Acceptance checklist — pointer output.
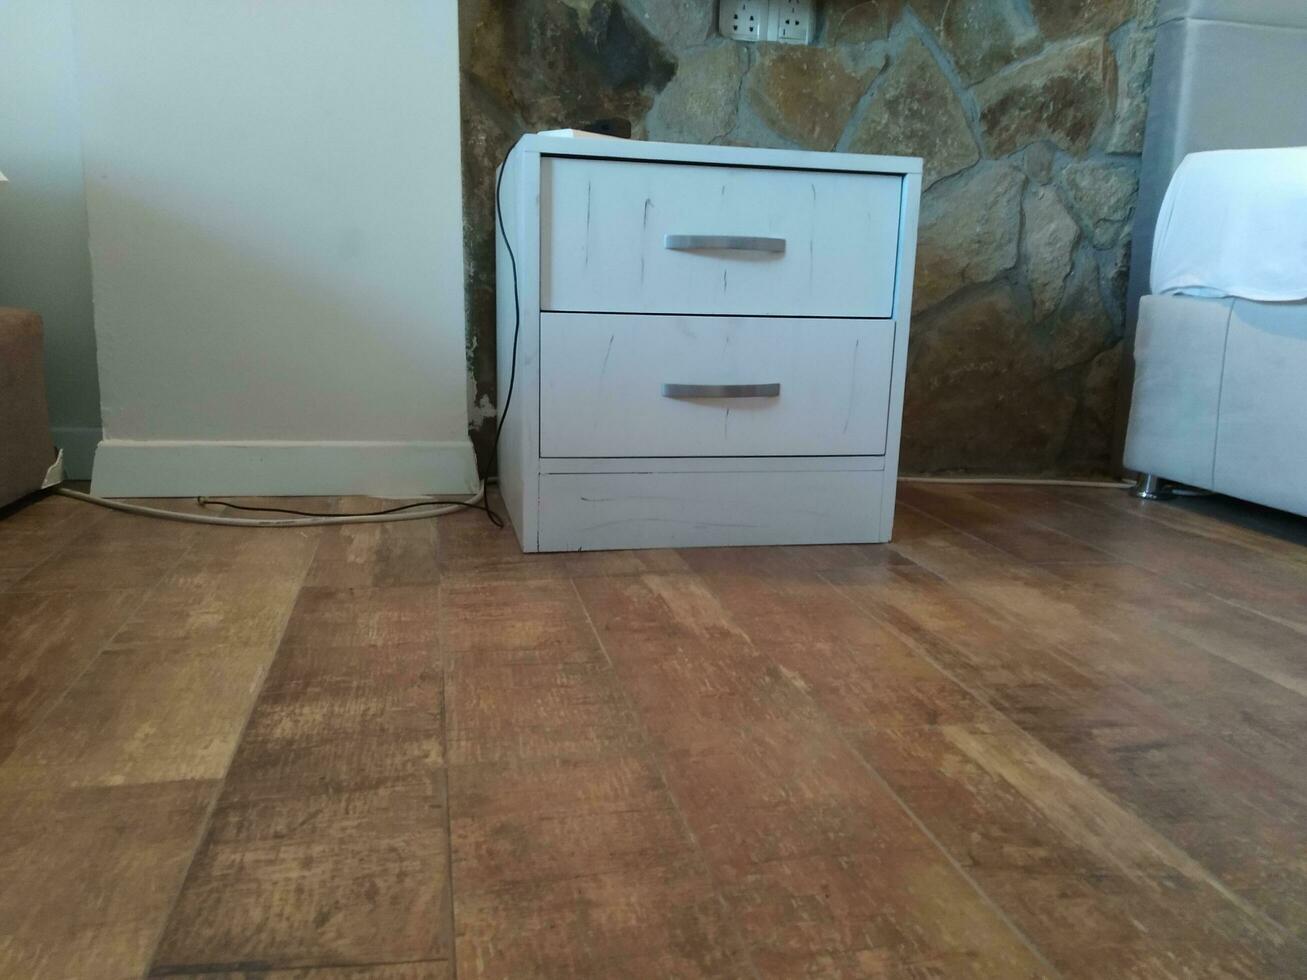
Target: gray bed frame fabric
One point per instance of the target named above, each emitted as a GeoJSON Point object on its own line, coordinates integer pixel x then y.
{"type": "Point", "coordinates": [1227, 74]}
{"type": "Point", "coordinates": [1221, 397]}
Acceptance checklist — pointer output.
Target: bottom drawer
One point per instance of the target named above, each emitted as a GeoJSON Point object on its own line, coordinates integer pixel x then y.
{"type": "Point", "coordinates": [608, 511]}
{"type": "Point", "coordinates": [640, 386]}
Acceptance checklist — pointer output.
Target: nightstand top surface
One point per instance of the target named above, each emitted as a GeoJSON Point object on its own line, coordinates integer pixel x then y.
{"type": "Point", "coordinates": [737, 156]}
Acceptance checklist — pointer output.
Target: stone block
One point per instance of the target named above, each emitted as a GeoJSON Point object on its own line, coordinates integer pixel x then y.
{"type": "Point", "coordinates": [701, 103]}
{"type": "Point", "coordinates": [1102, 197]}
{"type": "Point", "coordinates": [1061, 95]}
{"type": "Point", "coordinates": [1051, 235]}
{"type": "Point", "coordinates": [915, 112]}
{"type": "Point", "coordinates": [807, 94]}
{"type": "Point", "coordinates": [981, 35]}
{"type": "Point", "coordinates": [969, 232]}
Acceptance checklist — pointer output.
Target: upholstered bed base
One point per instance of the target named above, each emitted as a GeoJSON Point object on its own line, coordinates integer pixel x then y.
{"type": "Point", "coordinates": [1220, 397]}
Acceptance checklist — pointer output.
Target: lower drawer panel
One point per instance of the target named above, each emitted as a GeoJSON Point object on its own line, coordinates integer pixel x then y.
{"type": "Point", "coordinates": [648, 386]}
{"type": "Point", "coordinates": [608, 511]}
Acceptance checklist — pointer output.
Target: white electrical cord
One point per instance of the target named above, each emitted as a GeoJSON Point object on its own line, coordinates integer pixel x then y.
{"type": "Point", "coordinates": [1013, 481]}
{"type": "Point", "coordinates": [438, 509]}
{"type": "Point", "coordinates": [172, 515]}
{"type": "Point", "coordinates": [1005, 481]}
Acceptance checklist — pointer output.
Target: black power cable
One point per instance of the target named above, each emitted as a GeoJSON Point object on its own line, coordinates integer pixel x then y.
{"type": "Point", "coordinates": [210, 502]}
{"type": "Point", "coordinates": [517, 323]}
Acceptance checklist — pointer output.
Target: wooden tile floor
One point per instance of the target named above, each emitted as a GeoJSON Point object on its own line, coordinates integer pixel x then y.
{"type": "Point", "coordinates": [1054, 733]}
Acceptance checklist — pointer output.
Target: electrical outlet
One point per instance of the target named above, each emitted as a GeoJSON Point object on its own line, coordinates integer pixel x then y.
{"type": "Point", "coordinates": [743, 20]}
{"type": "Point", "coordinates": [787, 21]}
{"type": "Point", "coordinates": [790, 21]}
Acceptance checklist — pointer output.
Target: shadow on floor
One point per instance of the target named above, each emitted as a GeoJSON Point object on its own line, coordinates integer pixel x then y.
{"type": "Point", "coordinates": [1265, 520]}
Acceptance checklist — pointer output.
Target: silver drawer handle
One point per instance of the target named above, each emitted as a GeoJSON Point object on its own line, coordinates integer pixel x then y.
{"type": "Point", "coordinates": [722, 391]}
{"type": "Point", "coordinates": [727, 243]}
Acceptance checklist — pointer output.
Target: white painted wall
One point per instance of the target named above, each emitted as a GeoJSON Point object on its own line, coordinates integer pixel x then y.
{"type": "Point", "coordinates": [275, 223]}
{"type": "Point", "coordinates": [44, 263]}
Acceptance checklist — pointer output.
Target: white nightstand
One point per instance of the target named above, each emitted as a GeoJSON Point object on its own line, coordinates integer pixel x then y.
{"type": "Point", "coordinates": [712, 347]}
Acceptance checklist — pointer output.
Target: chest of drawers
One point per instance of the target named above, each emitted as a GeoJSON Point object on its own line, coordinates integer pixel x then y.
{"type": "Point", "coordinates": [711, 343]}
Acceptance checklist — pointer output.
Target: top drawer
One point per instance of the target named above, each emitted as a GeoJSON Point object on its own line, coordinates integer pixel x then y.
{"type": "Point", "coordinates": [633, 237]}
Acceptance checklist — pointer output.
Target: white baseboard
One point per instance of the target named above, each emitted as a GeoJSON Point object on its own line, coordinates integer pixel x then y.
{"type": "Point", "coordinates": [127, 468]}
{"type": "Point", "coordinates": [78, 445]}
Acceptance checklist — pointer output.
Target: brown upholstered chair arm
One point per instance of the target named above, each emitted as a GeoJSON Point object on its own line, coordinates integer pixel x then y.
{"type": "Point", "coordinates": [26, 448]}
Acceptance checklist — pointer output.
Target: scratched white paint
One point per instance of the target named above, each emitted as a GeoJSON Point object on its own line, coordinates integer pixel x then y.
{"type": "Point", "coordinates": [602, 376]}
{"type": "Point", "coordinates": [589, 378]}
{"type": "Point", "coordinates": [605, 222]}
{"type": "Point", "coordinates": [594, 512]}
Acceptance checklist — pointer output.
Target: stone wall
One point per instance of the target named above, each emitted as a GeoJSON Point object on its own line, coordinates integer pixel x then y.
{"type": "Point", "coordinates": [1029, 114]}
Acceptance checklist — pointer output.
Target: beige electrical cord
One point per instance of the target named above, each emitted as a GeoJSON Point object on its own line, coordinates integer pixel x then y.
{"type": "Point", "coordinates": [172, 515]}
{"type": "Point", "coordinates": [1013, 481]}
{"type": "Point", "coordinates": [1000, 481]}
{"type": "Point", "coordinates": [439, 508]}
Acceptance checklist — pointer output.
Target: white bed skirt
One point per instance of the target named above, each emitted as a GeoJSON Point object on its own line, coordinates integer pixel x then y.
{"type": "Point", "coordinates": [1234, 223]}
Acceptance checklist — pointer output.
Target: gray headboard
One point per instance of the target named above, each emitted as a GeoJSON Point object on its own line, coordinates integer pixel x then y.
{"type": "Point", "coordinates": [1228, 74]}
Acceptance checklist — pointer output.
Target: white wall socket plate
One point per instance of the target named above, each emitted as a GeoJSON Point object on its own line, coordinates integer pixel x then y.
{"type": "Point", "coordinates": [791, 21]}
{"type": "Point", "coordinates": [786, 21]}
{"type": "Point", "coordinates": [743, 20]}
